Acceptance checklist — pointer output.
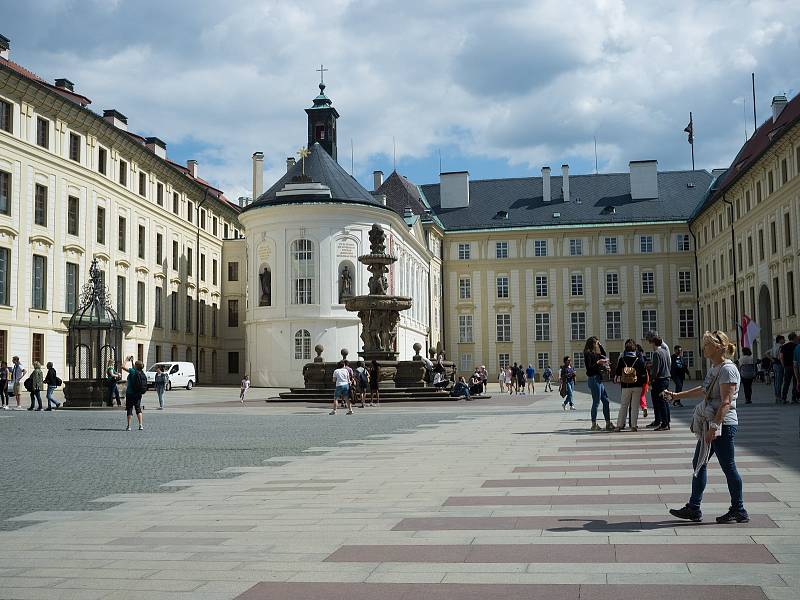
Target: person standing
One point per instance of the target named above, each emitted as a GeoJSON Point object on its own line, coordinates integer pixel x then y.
{"type": "Point", "coordinates": [484, 378]}
{"type": "Point", "coordinates": [362, 380]}
{"type": "Point", "coordinates": [374, 380]}
{"type": "Point", "coordinates": [510, 380]}
{"type": "Point", "coordinates": [678, 371]}
{"type": "Point", "coordinates": [747, 373]}
{"type": "Point", "coordinates": [659, 376]}
{"type": "Point", "coordinates": [52, 381]}
{"type": "Point", "coordinates": [631, 374]}
{"type": "Point", "coordinates": [715, 424]}
{"type": "Point", "coordinates": [4, 373]}
{"type": "Point", "coordinates": [135, 389]}
{"type": "Point", "coordinates": [796, 368]}
{"type": "Point", "coordinates": [501, 379]}
{"type": "Point", "coordinates": [243, 388]}
{"type": "Point", "coordinates": [17, 374]}
{"type": "Point", "coordinates": [160, 383]}
{"type": "Point", "coordinates": [112, 379]}
{"type": "Point", "coordinates": [646, 386]}
{"type": "Point", "coordinates": [548, 376]}
{"type": "Point", "coordinates": [777, 367]}
{"type": "Point", "coordinates": [566, 383]}
{"type": "Point", "coordinates": [514, 378]}
{"type": "Point", "coordinates": [787, 360]}
{"type": "Point", "coordinates": [594, 357]}
{"type": "Point", "coordinates": [520, 380]}
{"type": "Point", "coordinates": [37, 382]}
{"type": "Point", "coordinates": [341, 380]}
{"type": "Point", "coordinates": [530, 373]}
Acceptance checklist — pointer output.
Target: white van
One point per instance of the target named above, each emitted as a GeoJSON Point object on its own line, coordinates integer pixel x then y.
{"type": "Point", "coordinates": [181, 374]}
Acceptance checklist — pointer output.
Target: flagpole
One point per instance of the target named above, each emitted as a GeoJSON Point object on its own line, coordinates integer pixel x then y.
{"type": "Point", "coordinates": [691, 142]}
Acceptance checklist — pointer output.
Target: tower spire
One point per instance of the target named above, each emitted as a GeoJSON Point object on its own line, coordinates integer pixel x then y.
{"type": "Point", "coordinates": [322, 119]}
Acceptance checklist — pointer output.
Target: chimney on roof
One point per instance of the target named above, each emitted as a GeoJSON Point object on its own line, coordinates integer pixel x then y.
{"type": "Point", "coordinates": [156, 146]}
{"type": "Point", "coordinates": [5, 47]}
{"type": "Point", "coordinates": [116, 118]}
{"type": "Point", "coordinates": [192, 166]}
{"type": "Point", "coordinates": [454, 189]}
{"type": "Point", "coordinates": [382, 199]}
{"type": "Point", "coordinates": [258, 174]}
{"type": "Point", "coordinates": [644, 179]}
{"type": "Point", "coordinates": [545, 184]}
{"type": "Point", "coordinates": [289, 163]}
{"type": "Point", "coordinates": [244, 201]}
{"type": "Point", "coordinates": [65, 84]}
{"type": "Point", "coordinates": [565, 182]}
{"type": "Point", "coordinates": [377, 180]}
{"type": "Point", "coordinates": [778, 104]}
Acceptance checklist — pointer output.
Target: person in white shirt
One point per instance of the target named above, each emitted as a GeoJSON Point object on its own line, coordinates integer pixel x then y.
{"type": "Point", "coordinates": [17, 375]}
{"type": "Point", "coordinates": [341, 379]}
{"type": "Point", "coordinates": [244, 388]}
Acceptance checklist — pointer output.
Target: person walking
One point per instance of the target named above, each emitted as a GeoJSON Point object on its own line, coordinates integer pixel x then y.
{"type": "Point", "coordinates": [747, 373]}
{"type": "Point", "coordinates": [501, 379]}
{"type": "Point", "coordinates": [37, 382]}
{"type": "Point", "coordinates": [112, 379]}
{"type": "Point", "coordinates": [566, 383]}
{"type": "Point", "coordinates": [594, 356]}
{"type": "Point", "coordinates": [715, 424]}
{"type": "Point", "coordinates": [777, 367]}
{"type": "Point", "coordinates": [4, 373]}
{"type": "Point", "coordinates": [796, 368]}
{"type": "Point", "coordinates": [362, 381]}
{"type": "Point", "coordinates": [17, 374]}
{"type": "Point", "coordinates": [243, 388]}
{"type": "Point", "coordinates": [341, 380]}
{"type": "Point", "coordinates": [160, 383]}
{"type": "Point", "coordinates": [530, 374]}
{"type": "Point", "coordinates": [484, 378]}
{"type": "Point", "coordinates": [631, 374]}
{"type": "Point", "coordinates": [520, 380]}
{"type": "Point", "coordinates": [52, 381]}
{"type": "Point", "coordinates": [136, 387]}
{"type": "Point", "coordinates": [547, 375]}
{"type": "Point", "coordinates": [678, 371]}
{"type": "Point", "coordinates": [374, 380]}
{"type": "Point", "coordinates": [510, 380]}
{"type": "Point", "coordinates": [659, 377]}
{"type": "Point", "coordinates": [787, 361]}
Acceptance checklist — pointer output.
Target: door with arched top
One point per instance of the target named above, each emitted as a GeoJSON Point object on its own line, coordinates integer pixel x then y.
{"type": "Point", "coordinates": [764, 321]}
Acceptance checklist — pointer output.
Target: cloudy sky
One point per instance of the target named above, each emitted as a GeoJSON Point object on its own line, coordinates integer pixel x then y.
{"type": "Point", "coordinates": [497, 88]}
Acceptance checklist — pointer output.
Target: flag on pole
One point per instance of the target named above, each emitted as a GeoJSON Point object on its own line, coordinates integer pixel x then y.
{"type": "Point", "coordinates": [750, 331]}
{"type": "Point", "coordinates": [690, 130]}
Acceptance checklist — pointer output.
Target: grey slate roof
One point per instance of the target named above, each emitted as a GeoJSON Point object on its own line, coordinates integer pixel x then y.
{"type": "Point", "coordinates": [321, 168]}
{"type": "Point", "coordinates": [591, 199]}
{"type": "Point", "coordinates": [401, 194]}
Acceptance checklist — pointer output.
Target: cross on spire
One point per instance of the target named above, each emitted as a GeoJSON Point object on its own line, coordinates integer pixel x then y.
{"type": "Point", "coordinates": [321, 72]}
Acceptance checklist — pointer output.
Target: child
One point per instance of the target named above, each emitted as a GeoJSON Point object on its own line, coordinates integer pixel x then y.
{"type": "Point", "coordinates": [244, 388]}
{"type": "Point", "coordinates": [548, 376]}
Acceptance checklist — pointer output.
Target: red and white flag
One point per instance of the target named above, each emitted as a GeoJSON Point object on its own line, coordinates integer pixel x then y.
{"type": "Point", "coordinates": [750, 331]}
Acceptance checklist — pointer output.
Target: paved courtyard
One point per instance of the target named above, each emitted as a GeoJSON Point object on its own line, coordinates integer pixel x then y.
{"type": "Point", "coordinates": [501, 498]}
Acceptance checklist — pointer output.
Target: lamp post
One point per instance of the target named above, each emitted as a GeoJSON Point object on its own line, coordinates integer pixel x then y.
{"type": "Point", "coordinates": [197, 290]}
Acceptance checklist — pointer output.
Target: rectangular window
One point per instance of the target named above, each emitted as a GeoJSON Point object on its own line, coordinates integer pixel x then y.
{"type": "Point", "coordinates": [688, 358]}
{"type": "Point", "coordinates": [214, 320]}
{"type": "Point", "coordinates": [776, 298]}
{"type": "Point", "coordinates": [576, 284]}
{"type": "Point", "coordinates": [760, 244]}
{"type": "Point", "coordinates": [749, 251]}
{"type": "Point", "coordinates": [787, 230]}
{"type": "Point", "coordinates": [203, 222]}
{"type": "Point", "coordinates": [174, 255]}
{"type": "Point", "coordinates": [465, 329]}
{"type": "Point", "coordinates": [122, 297]}
{"type": "Point", "coordinates": [39, 296]}
{"type": "Point", "coordinates": [40, 205]}
{"type": "Point", "coordinates": [613, 325]}
{"type": "Point", "coordinates": [71, 292]}
{"type": "Point", "coordinates": [542, 323]}
{"type": "Point", "coordinates": [140, 302]}
{"type": "Point", "coordinates": [575, 247]}
{"type": "Point", "coordinates": [578, 361]}
{"type": "Point", "coordinates": [502, 287]}
{"type": "Point", "coordinates": [501, 249]}
{"type": "Point", "coordinates": [74, 147]}
{"type": "Point", "coordinates": [463, 251]}
{"type": "Point", "coordinates": [683, 242]}
{"type": "Point", "coordinates": [612, 284]}
{"type": "Point", "coordinates": [73, 214]}
{"type": "Point", "coordinates": [37, 348]}
{"type": "Point", "coordinates": [102, 160]}
{"type": "Point", "coordinates": [142, 183]}
{"type": "Point", "coordinates": [577, 322]}
{"type": "Point", "coordinates": [159, 299]}
{"type": "Point", "coordinates": [5, 193]}
{"type": "Point", "coordinates": [233, 363]}
{"type": "Point", "coordinates": [686, 323]}
{"type": "Point", "coordinates": [233, 271]}
{"type": "Point", "coordinates": [214, 271]}
{"type": "Point", "coordinates": [123, 173]}
{"type": "Point", "coordinates": [540, 247]}
{"type": "Point", "coordinates": [6, 120]}
{"type": "Point", "coordinates": [173, 310]}
{"type": "Point", "coordinates": [214, 226]}
{"type": "Point", "coordinates": [190, 211]}
{"type": "Point", "coordinates": [758, 192]}
{"type": "Point", "coordinates": [202, 267]}
{"type": "Point", "coordinates": [188, 313]}
{"type": "Point", "coordinates": [464, 288]}
{"type": "Point", "coordinates": [158, 353]}
{"type": "Point", "coordinates": [189, 262]}
{"type": "Point", "coordinates": [160, 194]}
{"type": "Point", "coordinates": [503, 360]}
{"type": "Point", "coordinates": [611, 245]}
{"type": "Point", "coordinates": [773, 237]}
{"type": "Point", "coordinates": [747, 200]}
{"type": "Point", "coordinates": [466, 361]}
{"type": "Point", "coordinates": [648, 282]}
{"type": "Point", "coordinates": [5, 273]}
{"type": "Point", "coordinates": [770, 182]}
{"type": "Point", "coordinates": [122, 234]}
{"type": "Point", "coordinates": [201, 318]}
{"type": "Point", "coordinates": [225, 232]}
{"type": "Point", "coordinates": [684, 282]}
{"type": "Point", "coordinates": [42, 132]}
{"type": "Point", "coordinates": [176, 203]}
{"type": "Point", "coordinates": [541, 286]}
{"type": "Point", "coordinates": [159, 249]}
{"type": "Point", "coordinates": [542, 360]}
{"type": "Point", "coordinates": [646, 244]}
{"type": "Point", "coordinates": [784, 171]}
{"type": "Point", "coordinates": [649, 321]}
{"type": "Point", "coordinates": [142, 241]}
{"type": "Point", "coordinates": [101, 225]}
{"type": "Point", "coordinates": [790, 293]}
{"type": "Point", "coordinates": [233, 313]}
{"type": "Point", "coordinates": [503, 322]}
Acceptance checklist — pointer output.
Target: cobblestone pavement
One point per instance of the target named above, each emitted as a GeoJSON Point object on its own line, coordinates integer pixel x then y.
{"type": "Point", "coordinates": [500, 501]}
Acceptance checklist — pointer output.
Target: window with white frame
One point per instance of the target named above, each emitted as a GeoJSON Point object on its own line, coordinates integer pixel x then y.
{"type": "Point", "coordinates": [612, 284]}
{"type": "Point", "coordinates": [613, 325]}
{"type": "Point", "coordinates": [611, 245]}
{"type": "Point", "coordinates": [576, 284]}
{"type": "Point", "coordinates": [540, 247]}
{"type": "Point", "coordinates": [683, 242]}
{"type": "Point", "coordinates": [575, 247]}
{"type": "Point", "coordinates": [542, 321]}
{"type": "Point", "coordinates": [646, 244]}
{"type": "Point", "coordinates": [465, 329]}
{"type": "Point", "coordinates": [501, 249]}
{"type": "Point", "coordinates": [578, 361]}
{"type": "Point", "coordinates": [649, 321]}
{"type": "Point", "coordinates": [503, 321]}
{"type": "Point", "coordinates": [688, 358]}
{"type": "Point", "coordinates": [302, 345]}
{"type": "Point", "coordinates": [503, 360]}
{"type": "Point", "coordinates": [577, 320]}
{"type": "Point", "coordinates": [684, 282]}
{"type": "Point", "coordinates": [464, 288]}
{"type": "Point", "coordinates": [463, 251]}
{"type": "Point", "coordinates": [542, 360]}
{"type": "Point", "coordinates": [686, 323]}
{"type": "Point", "coordinates": [466, 361]}
{"type": "Point", "coordinates": [502, 287]}
{"type": "Point", "coordinates": [541, 286]}
{"type": "Point", "coordinates": [648, 282]}
{"type": "Point", "coordinates": [303, 272]}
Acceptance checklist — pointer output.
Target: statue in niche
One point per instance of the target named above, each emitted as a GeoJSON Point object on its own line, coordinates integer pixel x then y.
{"type": "Point", "coordinates": [265, 279]}
{"type": "Point", "coordinates": [345, 285]}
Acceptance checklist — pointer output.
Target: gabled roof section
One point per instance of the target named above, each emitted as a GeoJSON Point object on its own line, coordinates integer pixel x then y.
{"type": "Point", "coordinates": [401, 194]}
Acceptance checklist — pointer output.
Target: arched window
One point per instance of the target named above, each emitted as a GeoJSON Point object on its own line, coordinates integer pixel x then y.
{"type": "Point", "coordinates": [302, 345]}
{"type": "Point", "coordinates": [302, 272]}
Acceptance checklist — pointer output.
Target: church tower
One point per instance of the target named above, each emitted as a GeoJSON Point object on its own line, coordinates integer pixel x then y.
{"type": "Point", "coordinates": [322, 122]}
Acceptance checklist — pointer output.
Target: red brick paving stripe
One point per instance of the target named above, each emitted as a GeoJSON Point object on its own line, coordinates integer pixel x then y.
{"type": "Point", "coordinates": [612, 481]}
{"type": "Point", "coordinates": [566, 523]}
{"type": "Point", "coordinates": [556, 553]}
{"type": "Point", "coordinates": [639, 467]}
{"type": "Point", "coordinates": [599, 499]}
{"type": "Point", "coordinates": [460, 591]}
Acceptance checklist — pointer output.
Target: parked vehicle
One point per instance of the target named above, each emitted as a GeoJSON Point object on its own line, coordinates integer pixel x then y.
{"type": "Point", "coordinates": [181, 374]}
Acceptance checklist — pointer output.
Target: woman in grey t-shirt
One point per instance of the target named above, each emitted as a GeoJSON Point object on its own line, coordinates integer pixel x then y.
{"type": "Point", "coordinates": [715, 423]}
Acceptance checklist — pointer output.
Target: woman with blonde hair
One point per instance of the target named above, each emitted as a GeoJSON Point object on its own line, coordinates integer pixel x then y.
{"type": "Point", "coordinates": [715, 423]}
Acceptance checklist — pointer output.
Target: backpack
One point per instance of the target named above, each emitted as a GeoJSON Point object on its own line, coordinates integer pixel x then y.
{"type": "Point", "coordinates": [139, 382]}
{"type": "Point", "coordinates": [58, 382]}
{"type": "Point", "coordinates": [363, 378]}
{"type": "Point", "coordinates": [28, 383]}
{"type": "Point", "coordinates": [629, 375]}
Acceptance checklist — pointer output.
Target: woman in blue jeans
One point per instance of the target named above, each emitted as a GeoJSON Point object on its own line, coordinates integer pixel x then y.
{"type": "Point", "coordinates": [715, 424]}
{"type": "Point", "coordinates": [594, 356]}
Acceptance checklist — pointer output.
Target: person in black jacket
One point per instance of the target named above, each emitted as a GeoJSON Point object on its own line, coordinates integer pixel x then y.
{"type": "Point", "coordinates": [678, 372]}
{"type": "Point", "coordinates": [52, 381]}
{"type": "Point", "coordinates": [594, 356]}
{"type": "Point", "coordinates": [631, 374]}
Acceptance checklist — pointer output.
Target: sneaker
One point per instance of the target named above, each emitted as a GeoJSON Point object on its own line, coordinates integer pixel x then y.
{"type": "Point", "coordinates": [618, 429]}
{"type": "Point", "coordinates": [572, 407]}
{"type": "Point", "coordinates": [48, 409]}
{"type": "Point", "coordinates": [141, 428]}
{"type": "Point", "coordinates": [662, 428]}
{"type": "Point", "coordinates": [128, 428]}
{"type": "Point", "coordinates": [333, 412]}
{"type": "Point", "coordinates": [349, 412]}
{"type": "Point", "coordinates": [5, 407]}
{"type": "Point", "coordinates": [688, 513]}
{"type": "Point", "coordinates": [644, 413]}
{"type": "Point", "coordinates": [31, 408]}
{"type": "Point", "coordinates": [609, 426]}
{"type": "Point", "coordinates": [564, 407]}
{"type": "Point", "coordinates": [653, 425]}
{"type": "Point", "coordinates": [739, 516]}
{"type": "Point", "coordinates": [58, 404]}
{"type": "Point", "coordinates": [634, 429]}
{"type": "Point", "coordinates": [595, 427]}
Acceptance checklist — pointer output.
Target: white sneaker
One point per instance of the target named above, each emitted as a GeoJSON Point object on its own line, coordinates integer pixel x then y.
{"type": "Point", "coordinates": [128, 428]}
{"type": "Point", "coordinates": [141, 428]}
{"type": "Point", "coordinates": [5, 407]}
